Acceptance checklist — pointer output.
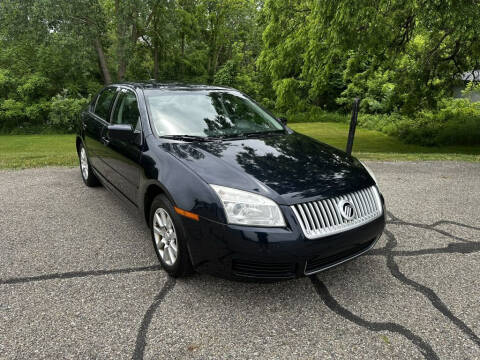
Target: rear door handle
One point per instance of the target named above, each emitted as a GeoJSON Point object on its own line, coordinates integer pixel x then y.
{"type": "Point", "coordinates": [84, 126]}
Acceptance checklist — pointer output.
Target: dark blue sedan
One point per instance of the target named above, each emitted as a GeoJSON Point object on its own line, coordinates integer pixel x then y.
{"type": "Point", "coordinates": [226, 187]}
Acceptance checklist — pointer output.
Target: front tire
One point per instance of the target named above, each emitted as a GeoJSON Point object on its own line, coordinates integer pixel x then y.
{"type": "Point", "coordinates": [88, 176]}
{"type": "Point", "coordinates": [169, 238]}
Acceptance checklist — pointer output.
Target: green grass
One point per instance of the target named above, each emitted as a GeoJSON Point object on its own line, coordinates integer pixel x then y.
{"type": "Point", "coordinates": [27, 151]}
{"type": "Point", "coordinates": [374, 145]}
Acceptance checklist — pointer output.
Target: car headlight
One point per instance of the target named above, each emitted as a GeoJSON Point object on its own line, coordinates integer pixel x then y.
{"type": "Point", "coordinates": [246, 208]}
{"type": "Point", "coordinates": [370, 172]}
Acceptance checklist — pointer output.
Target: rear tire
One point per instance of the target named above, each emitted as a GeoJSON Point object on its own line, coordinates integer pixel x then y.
{"type": "Point", "coordinates": [169, 239]}
{"type": "Point", "coordinates": [88, 176]}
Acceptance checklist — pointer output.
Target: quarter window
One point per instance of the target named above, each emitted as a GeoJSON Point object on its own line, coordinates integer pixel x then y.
{"type": "Point", "coordinates": [126, 110]}
{"type": "Point", "coordinates": [104, 102]}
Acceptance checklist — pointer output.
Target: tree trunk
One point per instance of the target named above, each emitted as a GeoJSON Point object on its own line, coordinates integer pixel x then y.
{"type": "Point", "coordinates": [183, 45]}
{"type": "Point", "coordinates": [123, 58]}
{"type": "Point", "coordinates": [155, 61]}
{"type": "Point", "coordinates": [215, 62]}
{"type": "Point", "coordinates": [122, 65]}
{"type": "Point", "coordinates": [182, 64]}
{"type": "Point", "coordinates": [122, 68]}
{"type": "Point", "coordinates": [107, 79]}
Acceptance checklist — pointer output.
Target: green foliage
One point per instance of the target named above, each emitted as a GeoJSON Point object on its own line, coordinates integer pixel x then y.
{"type": "Point", "coordinates": [315, 114]}
{"type": "Point", "coordinates": [226, 75]}
{"type": "Point", "coordinates": [377, 92]}
{"type": "Point", "coordinates": [64, 112]}
{"type": "Point", "coordinates": [37, 112]}
{"type": "Point", "coordinates": [33, 86]}
{"type": "Point", "coordinates": [7, 83]}
{"type": "Point", "coordinates": [456, 122]}
{"type": "Point", "coordinates": [399, 56]}
{"type": "Point", "coordinates": [305, 59]}
{"type": "Point", "coordinates": [288, 92]}
{"type": "Point", "coordinates": [11, 114]}
{"type": "Point", "coordinates": [75, 47]}
{"type": "Point", "coordinates": [28, 107]}
{"type": "Point", "coordinates": [371, 144]}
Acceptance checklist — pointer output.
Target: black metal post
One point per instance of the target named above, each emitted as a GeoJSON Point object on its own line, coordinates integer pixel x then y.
{"type": "Point", "coordinates": [353, 126]}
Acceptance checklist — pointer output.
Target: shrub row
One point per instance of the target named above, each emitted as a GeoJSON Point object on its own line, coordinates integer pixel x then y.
{"type": "Point", "coordinates": [316, 114]}
{"type": "Point", "coordinates": [455, 122]}
{"type": "Point", "coordinates": [58, 114]}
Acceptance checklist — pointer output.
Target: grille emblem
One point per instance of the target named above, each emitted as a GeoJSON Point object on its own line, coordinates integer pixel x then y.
{"type": "Point", "coordinates": [346, 209]}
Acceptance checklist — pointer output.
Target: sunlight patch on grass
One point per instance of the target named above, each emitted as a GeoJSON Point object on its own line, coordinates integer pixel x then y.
{"type": "Point", "coordinates": [28, 151]}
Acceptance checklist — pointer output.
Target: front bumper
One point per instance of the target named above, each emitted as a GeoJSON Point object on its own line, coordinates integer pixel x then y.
{"type": "Point", "coordinates": [241, 252]}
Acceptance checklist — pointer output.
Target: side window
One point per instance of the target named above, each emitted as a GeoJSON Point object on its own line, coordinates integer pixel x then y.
{"type": "Point", "coordinates": [126, 110]}
{"type": "Point", "coordinates": [103, 103]}
{"type": "Point", "coordinates": [91, 106]}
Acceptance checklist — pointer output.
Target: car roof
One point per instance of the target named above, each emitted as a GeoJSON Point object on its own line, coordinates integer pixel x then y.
{"type": "Point", "coordinates": [172, 86]}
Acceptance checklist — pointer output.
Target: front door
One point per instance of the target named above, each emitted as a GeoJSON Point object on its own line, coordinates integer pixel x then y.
{"type": "Point", "coordinates": [123, 157]}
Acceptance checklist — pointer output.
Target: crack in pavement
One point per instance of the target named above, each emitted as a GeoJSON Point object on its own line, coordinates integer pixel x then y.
{"type": "Point", "coordinates": [76, 274]}
{"type": "Point", "coordinates": [452, 248]}
{"type": "Point", "coordinates": [141, 341]}
{"type": "Point", "coordinates": [333, 305]}
{"type": "Point", "coordinates": [388, 251]}
{"type": "Point", "coordinates": [397, 221]}
{"type": "Point", "coordinates": [426, 291]}
{"type": "Point", "coordinates": [465, 247]}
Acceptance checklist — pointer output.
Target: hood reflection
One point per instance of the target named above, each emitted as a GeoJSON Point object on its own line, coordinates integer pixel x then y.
{"type": "Point", "coordinates": [294, 166]}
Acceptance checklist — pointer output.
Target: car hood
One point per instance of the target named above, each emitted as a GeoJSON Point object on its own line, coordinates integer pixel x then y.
{"type": "Point", "coordinates": [289, 168]}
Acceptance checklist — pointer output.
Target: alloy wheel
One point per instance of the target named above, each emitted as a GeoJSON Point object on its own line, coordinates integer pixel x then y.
{"type": "Point", "coordinates": [165, 236]}
{"type": "Point", "coordinates": [84, 163]}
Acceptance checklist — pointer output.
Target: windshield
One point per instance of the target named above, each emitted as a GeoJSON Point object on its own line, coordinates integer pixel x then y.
{"type": "Point", "coordinates": [207, 114]}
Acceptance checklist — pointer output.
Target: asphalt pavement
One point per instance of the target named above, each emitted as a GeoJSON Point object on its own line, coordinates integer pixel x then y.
{"type": "Point", "coordinates": [79, 279]}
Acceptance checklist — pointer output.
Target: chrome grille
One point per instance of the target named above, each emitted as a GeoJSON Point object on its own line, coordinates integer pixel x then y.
{"type": "Point", "coordinates": [324, 218]}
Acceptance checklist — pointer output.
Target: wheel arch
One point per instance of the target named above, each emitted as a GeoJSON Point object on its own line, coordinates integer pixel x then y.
{"type": "Point", "coordinates": [78, 142]}
{"type": "Point", "coordinates": [151, 191]}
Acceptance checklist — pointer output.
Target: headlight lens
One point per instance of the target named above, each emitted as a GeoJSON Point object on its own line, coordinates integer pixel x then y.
{"type": "Point", "coordinates": [246, 208]}
{"type": "Point", "coordinates": [370, 172]}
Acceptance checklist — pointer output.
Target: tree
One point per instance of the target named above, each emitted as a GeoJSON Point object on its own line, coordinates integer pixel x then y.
{"type": "Point", "coordinates": [56, 53]}
{"type": "Point", "coordinates": [414, 50]}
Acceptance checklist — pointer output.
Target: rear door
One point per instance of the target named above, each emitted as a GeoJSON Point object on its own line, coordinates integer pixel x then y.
{"type": "Point", "coordinates": [122, 156]}
{"type": "Point", "coordinates": [95, 125]}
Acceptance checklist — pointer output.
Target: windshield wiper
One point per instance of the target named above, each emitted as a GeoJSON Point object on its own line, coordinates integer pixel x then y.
{"type": "Point", "coordinates": [187, 138]}
{"type": "Point", "coordinates": [248, 135]}
{"type": "Point", "coordinates": [262, 133]}
{"type": "Point", "coordinates": [221, 137]}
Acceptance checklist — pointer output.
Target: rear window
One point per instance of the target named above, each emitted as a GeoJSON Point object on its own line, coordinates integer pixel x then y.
{"type": "Point", "coordinates": [103, 103]}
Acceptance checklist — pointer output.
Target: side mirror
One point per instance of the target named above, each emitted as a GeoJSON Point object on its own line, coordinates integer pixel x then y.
{"type": "Point", "coordinates": [121, 132]}
{"type": "Point", "coordinates": [283, 120]}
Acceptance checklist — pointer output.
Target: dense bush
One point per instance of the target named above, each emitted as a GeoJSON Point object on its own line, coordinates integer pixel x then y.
{"type": "Point", "coordinates": [456, 122]}
{"type": "Point", "coordinates": [12, 114]}
{"type": "Point", "coordinates": [64, 112]}
{"type": "Point", "coordinates": [315, 114]}
{"type": "Point", "coordinates": [58, 114]}
{"type": "Point", "coordinates": [31, 104]}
